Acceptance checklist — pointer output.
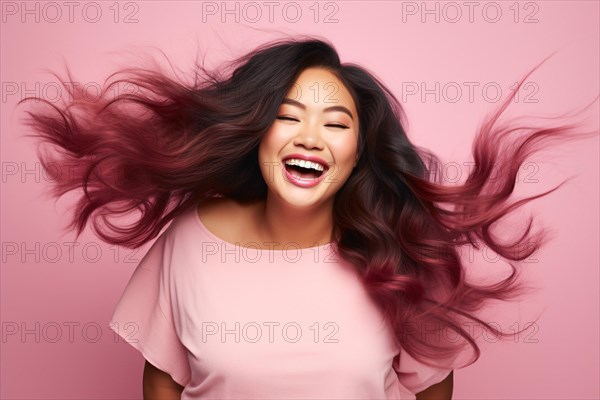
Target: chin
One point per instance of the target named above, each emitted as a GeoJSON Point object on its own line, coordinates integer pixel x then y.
{"type": "Point", "coordinates": [302, 201]}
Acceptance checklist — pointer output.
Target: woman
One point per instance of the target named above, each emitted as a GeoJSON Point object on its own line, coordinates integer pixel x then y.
{"type": "Point", "coordinates": [310, 252]}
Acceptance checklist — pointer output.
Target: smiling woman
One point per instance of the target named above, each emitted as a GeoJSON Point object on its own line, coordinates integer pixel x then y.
{"type": "Point", "coordinates": [309, 204]}
{"type": "Point", "coordinates": [308, 132]}
{"type": "Point", "coordinates": [308, 168]}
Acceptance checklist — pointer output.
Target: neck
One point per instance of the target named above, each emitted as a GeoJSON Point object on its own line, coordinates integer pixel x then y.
{"type": "Point", "coordinates": [297, 227]}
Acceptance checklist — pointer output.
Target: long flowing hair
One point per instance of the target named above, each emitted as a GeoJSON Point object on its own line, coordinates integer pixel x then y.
{"type": "Point", "coordinates": [167, 145]}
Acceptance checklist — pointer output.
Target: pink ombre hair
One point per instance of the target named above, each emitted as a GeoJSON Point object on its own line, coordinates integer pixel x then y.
{"type": "Point", "coordinates": [168, 145]}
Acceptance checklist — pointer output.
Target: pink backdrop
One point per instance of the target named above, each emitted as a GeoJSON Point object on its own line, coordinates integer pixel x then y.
{"type": "Point", "coordinates": [58, 296]}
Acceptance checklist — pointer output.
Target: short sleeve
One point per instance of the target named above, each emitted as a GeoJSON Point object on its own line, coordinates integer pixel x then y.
{"type": "Point", "coordinates": [415, 375]}
{"type": "Point", "coordinates": [143, 315]}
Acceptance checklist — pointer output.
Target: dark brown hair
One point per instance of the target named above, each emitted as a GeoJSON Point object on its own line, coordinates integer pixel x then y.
{"type": "Point", "coordinates": [174, 144]}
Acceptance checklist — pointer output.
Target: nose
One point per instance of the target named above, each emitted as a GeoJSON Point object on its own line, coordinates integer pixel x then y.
{"type": "Point", "coordinates": [309, 137]}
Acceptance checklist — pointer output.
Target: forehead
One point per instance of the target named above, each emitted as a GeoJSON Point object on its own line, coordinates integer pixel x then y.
{"type": "Point", "coordinates": [319, 86]}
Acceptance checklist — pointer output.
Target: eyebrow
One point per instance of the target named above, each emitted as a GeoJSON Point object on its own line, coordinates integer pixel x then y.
{"type": "Point", "coordinates": [332, 108]}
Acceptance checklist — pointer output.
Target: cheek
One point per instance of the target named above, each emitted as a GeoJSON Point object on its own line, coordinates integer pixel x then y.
{"type": "Point", "coordinates": [271, 143]}
{"type": "Point", "coordinates": [345, 151]}
{"type": "Point", "coordinates": [265, 147]}
{"type": "Point", "coordinates": [268, 153]}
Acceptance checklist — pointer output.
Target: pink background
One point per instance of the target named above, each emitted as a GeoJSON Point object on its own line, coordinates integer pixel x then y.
{"type": "Point", "coordinates": [44, 284]}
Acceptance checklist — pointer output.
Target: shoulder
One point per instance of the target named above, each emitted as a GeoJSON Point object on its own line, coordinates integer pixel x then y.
{"type": "Point", "coordinates": [228, 219]}
{"type": "Point", "coordinates": [217, 210]}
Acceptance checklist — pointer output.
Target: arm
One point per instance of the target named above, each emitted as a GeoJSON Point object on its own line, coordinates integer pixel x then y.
{"type": "Point", "coordinates": [159, 385]}
{"type": "Point", "coordinates": [439, 391]}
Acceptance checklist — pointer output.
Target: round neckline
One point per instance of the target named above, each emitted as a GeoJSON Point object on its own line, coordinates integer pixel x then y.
{"type": "Point", "coordinates": [325, 247]}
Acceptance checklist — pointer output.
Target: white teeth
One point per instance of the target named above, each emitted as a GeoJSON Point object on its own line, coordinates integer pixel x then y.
{"type": "Point", "coordinates": [304, 164]}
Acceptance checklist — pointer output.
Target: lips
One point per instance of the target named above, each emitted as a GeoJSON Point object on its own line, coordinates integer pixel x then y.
{"type": "Point", "coordinates": [303, 170]}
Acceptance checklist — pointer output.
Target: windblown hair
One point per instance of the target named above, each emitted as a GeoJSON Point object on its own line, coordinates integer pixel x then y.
{"type": "Point", "coordinates": [168, 145]}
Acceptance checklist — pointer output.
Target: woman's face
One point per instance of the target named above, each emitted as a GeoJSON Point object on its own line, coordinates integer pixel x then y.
{"type": "Point", "coordinates": [311, 148]}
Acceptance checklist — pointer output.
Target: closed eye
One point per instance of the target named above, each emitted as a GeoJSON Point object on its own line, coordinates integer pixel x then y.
{"type": "Point", "coordinates": [283, 117]}
{"type": "Point", "coordinates": [287, 118]}
{"type": "Point", "coordinates": [338, 126]}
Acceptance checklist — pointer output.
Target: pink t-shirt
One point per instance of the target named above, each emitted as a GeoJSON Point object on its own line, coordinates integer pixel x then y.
{"type": "Point", "coordinates": [234, 322]}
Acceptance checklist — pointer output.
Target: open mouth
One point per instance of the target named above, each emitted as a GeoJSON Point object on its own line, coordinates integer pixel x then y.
{"type": "Point", "coordinates": [304, 169]}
